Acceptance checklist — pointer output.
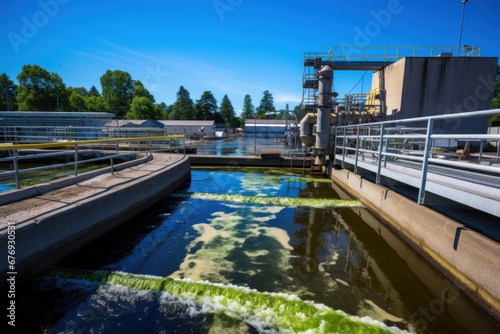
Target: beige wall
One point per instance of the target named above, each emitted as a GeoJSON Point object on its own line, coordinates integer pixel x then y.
{"type": "Point", "coordinates": [428, 86]}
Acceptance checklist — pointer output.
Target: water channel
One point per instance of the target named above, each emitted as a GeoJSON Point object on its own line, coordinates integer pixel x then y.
{"type": "Point", "coordinates": [240, 229]}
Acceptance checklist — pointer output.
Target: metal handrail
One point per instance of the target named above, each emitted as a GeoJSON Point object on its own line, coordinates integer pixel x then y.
{"type": "Point", "coordinates": [14, 156]}
{"type": "Point", "coordinates": [384, 142]}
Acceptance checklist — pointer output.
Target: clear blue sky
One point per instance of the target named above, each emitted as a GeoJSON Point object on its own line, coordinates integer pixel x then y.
{"type": "Point", "coordinates": [232, 47]}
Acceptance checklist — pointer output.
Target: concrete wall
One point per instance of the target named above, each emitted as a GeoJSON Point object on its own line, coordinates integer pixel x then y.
{"type": "Point", "coordinates": [467, 258]}
{"type": "Point", "coordinates": [48, 238]}
{"type": "Point", "coordinates": [393, 78]}
{"type": "Point", "coordinates": [438, 86]}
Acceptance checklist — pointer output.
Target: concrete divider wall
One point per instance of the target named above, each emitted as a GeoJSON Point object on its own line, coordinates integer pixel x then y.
{"type": "Point", "coordinates": [55, 235]}
{"type": "Point", "coordinates": [466, 257]}
{"type": "Point", "coordinates": [28, 192]}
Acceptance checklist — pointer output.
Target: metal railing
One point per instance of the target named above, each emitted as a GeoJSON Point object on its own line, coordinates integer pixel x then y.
{"type": "Point", "coordinates": [44, 134]}
{"type": "Point", "coordinates": [393, 53]}
{"type": "Point", "coordinates": [382, 54]}
{"type": "Point", "coordinates": [110, 149]}
{"type": "Point", "coordinates": [391, 141]}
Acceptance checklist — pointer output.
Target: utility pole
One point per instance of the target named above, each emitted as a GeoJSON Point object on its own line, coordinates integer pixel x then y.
{"type": "Point", "coordinates": [461, 26]}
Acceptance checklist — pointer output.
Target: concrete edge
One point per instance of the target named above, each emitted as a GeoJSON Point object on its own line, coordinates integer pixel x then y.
{"type": "Point", "coordinates": [32, 191]}
{"type": "Point", "coordinates": [60, 233]}
{"type": "Point", "coordinates": [467, 258]}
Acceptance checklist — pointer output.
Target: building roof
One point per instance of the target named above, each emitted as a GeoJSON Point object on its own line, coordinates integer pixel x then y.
{"type": "Point", "coordinates": [266, 122]}
{"type": "Point", "coordinates": [55, 114]}
{"type": "Point", "coordinates": [208, 123]}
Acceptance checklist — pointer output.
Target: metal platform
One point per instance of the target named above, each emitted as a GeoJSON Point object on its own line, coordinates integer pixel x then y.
{"type": "Point", "coordinates": [476, 190]}
{"type": "Point", "coordinates": [387, 149]}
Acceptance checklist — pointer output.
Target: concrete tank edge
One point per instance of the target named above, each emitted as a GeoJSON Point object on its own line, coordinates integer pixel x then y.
{"type": "Point", "coordinates": [94, 223]}
{"type": "Point", "coordinates": [476, 278]}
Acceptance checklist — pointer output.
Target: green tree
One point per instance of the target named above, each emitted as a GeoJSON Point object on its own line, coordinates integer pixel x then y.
{"type": "Point", "coordinates": [96, 104]}
{"type": "Point", "coordinates": [80, 90]}
{"type": "Point", "coordinates": [248, 108]}
{"type": "Point", "coordinates": [117, 91]}
{"type": "Point", "coordinates": [183, 106]}
{"type": "Point", "coordinates": [142, 108]}
{"type": "Point", "coordinates": [141, 91]}
{"type": "Point", "coordinates": [40, 90]}
{"type": "Point", "coordinates": [206, 106]}
{"type": "Point", "coordinates": [227, 111]}
{"type": "Point", "coordinates": [77, 102]}
{"type": "Point", "coordinates": [266, 104]}
{"type": "Point", "coordinates": [162, 110]}
{"type": "Point", "coordinates": [94, 92]}
{"type": "Point", "coordinates": [8, 93]}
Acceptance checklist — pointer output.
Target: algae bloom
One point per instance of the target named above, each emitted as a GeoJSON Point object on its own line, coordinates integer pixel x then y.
{"type": "Point", "coordinates": [280, 201]}
{"type": "Point", "coordinates": [284, 312]}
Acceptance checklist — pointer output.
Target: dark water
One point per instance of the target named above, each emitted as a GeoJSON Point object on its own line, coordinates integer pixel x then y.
{"type": "Point", "coordinates": [341, 257]}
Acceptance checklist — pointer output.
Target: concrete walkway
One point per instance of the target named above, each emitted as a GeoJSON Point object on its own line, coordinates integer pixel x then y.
{"type": "Point", "coordinates": [51, 225]}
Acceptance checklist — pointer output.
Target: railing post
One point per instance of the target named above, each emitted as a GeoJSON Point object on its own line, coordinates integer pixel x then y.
{"type": "Point", "coordinates": [112, 166]}
{"type": "Point", "coordinates": [357, 150]}
{"type": "Point", "coordinates": [16, 169]}
{"type": "Point", "coordinates": [425, 163]}
{"type": "Point", "coordinates": [76, 160]}
{"type": "Point", "coordinates": [480, 151]}
{"type": "Point", "coordinates": [380, 146]}
{"type": "Point", "coordinates": [343, 145]}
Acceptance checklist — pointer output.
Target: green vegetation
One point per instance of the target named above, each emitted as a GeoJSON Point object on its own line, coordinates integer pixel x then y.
{"type": "Point", "coordinates": [280, 201]}
{"type": "Point", "coordinates": [287, 313]}
{"type": "Point", "coordinates": [40, 90]}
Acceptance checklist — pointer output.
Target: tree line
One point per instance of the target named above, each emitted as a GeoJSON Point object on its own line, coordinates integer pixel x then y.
{"type": "Point", "coordinates": [40, 90]}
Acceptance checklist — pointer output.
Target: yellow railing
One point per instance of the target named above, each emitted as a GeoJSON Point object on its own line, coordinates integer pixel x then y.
{"type": "Point", "coordinates": [16, 147]}
{"type": "Point", "coordinates": [14, 157]}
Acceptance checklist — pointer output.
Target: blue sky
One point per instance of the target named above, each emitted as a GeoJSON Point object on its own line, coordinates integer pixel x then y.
{"type": "Point", "coordinates": [232, 47]}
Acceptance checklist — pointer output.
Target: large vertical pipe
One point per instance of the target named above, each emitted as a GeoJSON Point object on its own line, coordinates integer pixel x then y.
{"type": "Point", "coordinates": [325, 82]}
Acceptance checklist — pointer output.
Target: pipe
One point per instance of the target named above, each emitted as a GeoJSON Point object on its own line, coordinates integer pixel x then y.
{"type": "Point", "coordinates": [307, 127]}
{"type": "Point", "coordinates": [325, 83]}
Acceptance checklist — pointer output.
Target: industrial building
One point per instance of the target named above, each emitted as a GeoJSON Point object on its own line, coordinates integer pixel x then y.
{"type": "Point", "coordinates": [266, 128]}
{"type": "Point", "coordinates": [190, 128]}
{"type": "Point", "coordinates": [407, 82]}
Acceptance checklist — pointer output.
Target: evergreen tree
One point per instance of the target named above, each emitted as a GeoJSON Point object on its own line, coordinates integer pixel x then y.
{"type": "Point", "coordinates": [206, 106]}
{"type": "Point", "coordinates": [8, 93]}
{"type": "Point", "coordinates": [266, 104]}
{"type": "Point", "coordinates": [248, 108]}
{"type": "Point", "coordinates": [94, 92]}
{"type": "Point", "coordinates": [183, 106]}
{"type": "Point", "coordinates": [227, 111]}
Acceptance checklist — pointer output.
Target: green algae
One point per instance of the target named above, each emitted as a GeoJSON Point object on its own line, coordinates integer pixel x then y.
{"type": "Point", "coordinates": [279, 201]}
{"type": "Point", "coordinates": [287, 313]}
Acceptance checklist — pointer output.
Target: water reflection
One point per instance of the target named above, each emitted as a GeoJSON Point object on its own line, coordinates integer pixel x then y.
{"type": "Point", "coordinates": [238, 146]}
{"type": "Point", "coordinates": [343, 258]}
